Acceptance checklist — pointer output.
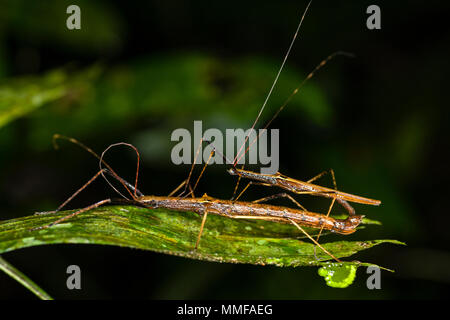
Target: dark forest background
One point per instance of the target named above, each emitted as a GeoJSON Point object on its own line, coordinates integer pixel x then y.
{"type": "Point", "coordinates": [137, 70]}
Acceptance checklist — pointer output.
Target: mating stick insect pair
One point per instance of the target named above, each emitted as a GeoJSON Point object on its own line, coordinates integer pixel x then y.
{"type": "Point", "coordinates": [234, 208]}
{"type": "Point", "coordinates": [205, 205]}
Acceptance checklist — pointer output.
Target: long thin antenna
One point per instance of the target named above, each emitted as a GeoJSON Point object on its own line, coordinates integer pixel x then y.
{"type": "Point", "coordinates": [101, 161]}
{"type": "Point", "coordinates": [100, 158]}
{"type": "Point", "coordinates": [296, 90]}
{"type": "Point", "coordinates": [274, 82]}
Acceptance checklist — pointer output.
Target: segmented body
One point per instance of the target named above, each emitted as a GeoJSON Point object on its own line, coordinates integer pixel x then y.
{"type": "Point", "coordinates": [297, 186]}
{"type": "Point", "coordinates": [241, 209]}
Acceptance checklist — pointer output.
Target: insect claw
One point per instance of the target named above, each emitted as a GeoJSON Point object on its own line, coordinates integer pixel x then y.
{"type": "Point", "coordinates": [315, 254]}
{"type": "Point", "coordinates": [37, 228]}
{"type": "Point", "coordinates": [42, 213]}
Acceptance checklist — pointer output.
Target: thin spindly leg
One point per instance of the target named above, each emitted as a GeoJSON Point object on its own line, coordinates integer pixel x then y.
{"type": "Point", "coordinates": [93, 206]}
{"type": "Point", "coordinates": [314, 241]}
{"type": "Point", "coordinates": [191, 191]}
{"type": "Point", "coordinates": [177, 188]}
{"type": "Point", "coordinates": [192, 169]}
{"type": "Point", "coordinates": [296, 225]}
{"type": "Point", "coordinates": [328, 213]}
{"type": "Point", "coordinates": [201, 174]}
{"type": "Point", "coordinates": [248, 185]}
{"type": "Point", "coordinates": [237, 185]}
{"type": "Point", "coordinates": [73, 195]}
{"type": "Point", "coordinates": [344, 203]}
{"type": "Point", "coordinates": [205, 214]}
{"type": "Point", "coordinates": [280, 195]}
{"type": "Point", "coordinates": [332, 201]}
{"type": "Point", "coordinates": [331, 171]}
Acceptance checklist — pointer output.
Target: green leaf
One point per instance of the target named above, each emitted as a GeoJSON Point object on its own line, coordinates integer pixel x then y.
{"type": "Point", "coordinates": [338, 275]}
{"type": "Point", "coordinates": [170, 232]}
{"type": "Point", "coordinates": [23, 95]}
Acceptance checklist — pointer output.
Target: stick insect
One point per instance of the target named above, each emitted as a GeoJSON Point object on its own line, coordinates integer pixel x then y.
{"type": "Point", "coordinates": [285, 182]}
{"type": "Point", "coordinates": [205, 205]}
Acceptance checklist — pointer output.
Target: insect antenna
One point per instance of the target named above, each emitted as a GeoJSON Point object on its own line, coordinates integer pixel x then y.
{"type": "Point", "coordinates": [275, 80]}
{"type": "Point", "coordinates": [295, 91]}
{"type": "Point", "coordinates": [109, 169]}
{"type": "Point", "coordinates": [124, 183]}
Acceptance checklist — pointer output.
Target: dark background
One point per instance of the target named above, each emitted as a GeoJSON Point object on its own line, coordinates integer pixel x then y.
{"type": "Point", "coordinates": [137, 70]}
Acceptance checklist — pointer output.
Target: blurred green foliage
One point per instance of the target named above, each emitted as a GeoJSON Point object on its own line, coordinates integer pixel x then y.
{"type": "Point", "coordinates": [41, 23]}
{"type": "Point", "coordinates": [82, 103]}
{"type": "Point", "coordinates": [19, 97]}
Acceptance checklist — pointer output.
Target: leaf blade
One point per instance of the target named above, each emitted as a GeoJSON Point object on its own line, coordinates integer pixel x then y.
{"type": "Point", "coordinates": [170, 232]}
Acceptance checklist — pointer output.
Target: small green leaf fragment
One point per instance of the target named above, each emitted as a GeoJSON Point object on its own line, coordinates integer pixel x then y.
{"type": "Point", "coordinates": [338, 275]}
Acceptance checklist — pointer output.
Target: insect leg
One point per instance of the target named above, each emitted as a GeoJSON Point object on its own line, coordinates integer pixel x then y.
{"type": "Point", "coordinates": [177, 188]}
{"type": "Point", "coordinates": [73, 195]}
{"type": "Point", "coordinates": [205, 214]}
{"type": "Point", "coordinates": [237, 186]}
{"type": "Point", "coordinates": [93, 206]}
{"type": "Point", "coordinates": [296, 225]}
{"type": "Point", "coordinates": [320, 175]}
{"type": "Point", "coordinates": [248, 185]}
{"type": "Point", "coordinates": [334, 198]}
{"type": "Point", "coordinates": [314, 241]}
{"type": "Point", "coordinates": [192, 168]}
{"type": "Point", "coordinates": [191, 192]}
{"type": "Point", "coordinates": [344, 203]}
{"type": "Point", "coordinates": [280, 195]}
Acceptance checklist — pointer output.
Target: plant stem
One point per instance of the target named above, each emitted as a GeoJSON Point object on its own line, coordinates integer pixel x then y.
{"type": "Point", "coordinates": [23, 279]}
